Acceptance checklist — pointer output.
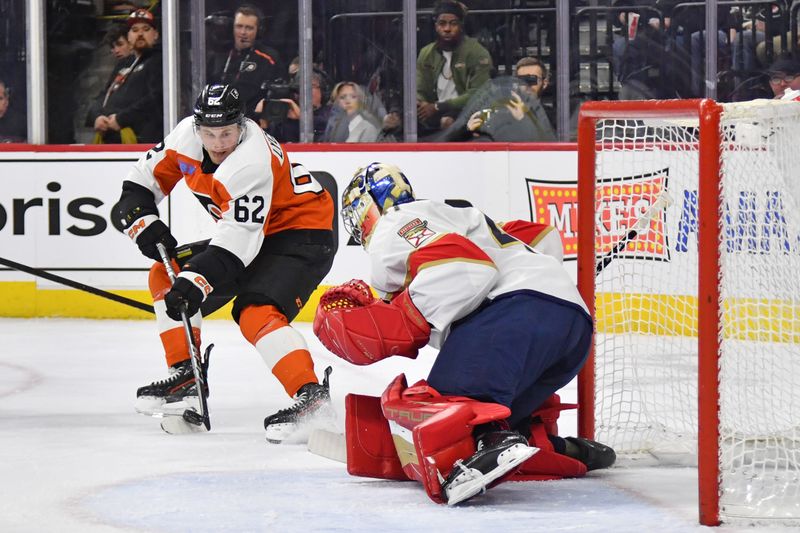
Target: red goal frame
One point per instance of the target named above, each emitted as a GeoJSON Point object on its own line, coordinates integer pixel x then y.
{"type": "Point", "coordinates": [708, 112]}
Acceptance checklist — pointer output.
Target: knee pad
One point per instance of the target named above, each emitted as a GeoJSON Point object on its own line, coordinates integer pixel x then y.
{"type": "Point", "coordinates": [255, 321]}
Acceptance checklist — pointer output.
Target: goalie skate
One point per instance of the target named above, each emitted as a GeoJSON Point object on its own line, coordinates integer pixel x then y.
{"type": "Point", "coordinates": [499, 453]}
{"type": "Point", "coordinates": [311, 410]}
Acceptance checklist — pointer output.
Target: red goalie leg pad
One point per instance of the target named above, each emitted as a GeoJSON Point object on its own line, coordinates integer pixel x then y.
{"type": "Point", "coordinates": [370, 449]}
{"type": "Point", "coordinates": [431, 432]}
{"type": "Point", "coordinates": [548, 464]}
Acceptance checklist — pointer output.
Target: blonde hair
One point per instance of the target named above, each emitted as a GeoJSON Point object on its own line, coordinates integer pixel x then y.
{"type": "Point", "coordinates": [360, 98]}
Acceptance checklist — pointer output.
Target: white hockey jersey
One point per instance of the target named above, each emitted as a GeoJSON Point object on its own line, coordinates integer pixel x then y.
{"type": "Point", "coordinates": [452, 259]}
{"type": "Point", "coordinates": [253, 193]}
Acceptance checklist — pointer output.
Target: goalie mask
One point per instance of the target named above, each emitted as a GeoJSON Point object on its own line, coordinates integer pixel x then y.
{"type": "Point", "coordinates": [373, 190]}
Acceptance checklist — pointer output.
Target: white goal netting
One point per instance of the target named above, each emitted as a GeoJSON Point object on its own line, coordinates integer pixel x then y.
{"type": "Point", "coordinates": [646, 353]}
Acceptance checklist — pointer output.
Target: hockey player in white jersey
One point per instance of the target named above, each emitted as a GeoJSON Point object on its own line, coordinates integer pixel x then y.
{"type": "Point", "coordinates": [510, 326]}
{"type": "Point", "coordinates": [272, 245]}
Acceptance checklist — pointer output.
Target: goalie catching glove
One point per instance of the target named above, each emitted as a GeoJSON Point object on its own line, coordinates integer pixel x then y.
{"type": "Point", "coordinates": [356, 326]}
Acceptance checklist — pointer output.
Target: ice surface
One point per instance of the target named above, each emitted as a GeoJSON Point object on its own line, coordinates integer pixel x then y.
{"type": "Point", "coordinates": [77, 458]}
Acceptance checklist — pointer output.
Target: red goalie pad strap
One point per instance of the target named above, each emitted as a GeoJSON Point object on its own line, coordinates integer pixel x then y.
{"type": "Point", "coordinates": [370, 448]}
{"type": "Point", "coordinates": [548, 464]}
{"type": "Point", "coordinates": [431, 432]}
{"type": "Point", "coordinates": [364, 335]}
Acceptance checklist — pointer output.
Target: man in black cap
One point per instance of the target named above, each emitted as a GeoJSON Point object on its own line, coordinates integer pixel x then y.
{"type": "Point", "coordinates": [784, 78]}
{"type": "Point", "coordinates": [450, 69]}
{"type": "Point", "coordinates": [130, 109]}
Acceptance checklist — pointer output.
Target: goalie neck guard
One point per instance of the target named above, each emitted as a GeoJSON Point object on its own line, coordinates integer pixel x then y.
{"type": "Point", "coordinates": [373, 190]}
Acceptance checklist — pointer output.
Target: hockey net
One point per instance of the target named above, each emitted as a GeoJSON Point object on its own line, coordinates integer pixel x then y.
{"type": "Point", "coordinates": [696, 356]}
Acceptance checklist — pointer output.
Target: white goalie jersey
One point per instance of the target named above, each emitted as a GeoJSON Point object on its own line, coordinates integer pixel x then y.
{"type": "Point", "coordinates": [453, 259]}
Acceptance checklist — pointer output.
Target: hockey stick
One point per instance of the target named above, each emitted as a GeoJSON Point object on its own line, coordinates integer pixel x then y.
{"type": "Point", "coordinates": [189, 415]}
{"type": "Point", "coordinates": [640, 227]}
{"type": "Point", "coordinates": [76, 285]}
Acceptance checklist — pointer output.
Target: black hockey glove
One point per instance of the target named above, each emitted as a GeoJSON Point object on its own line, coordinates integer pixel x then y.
{"type": "Point", "coordinates": [190, 288]}
{"type": "Point", "coordinates": [149, 230]}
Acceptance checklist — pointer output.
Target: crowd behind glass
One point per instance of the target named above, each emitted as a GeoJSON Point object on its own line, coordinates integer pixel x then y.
{"type": "Point", "coordinates": [485, 69]}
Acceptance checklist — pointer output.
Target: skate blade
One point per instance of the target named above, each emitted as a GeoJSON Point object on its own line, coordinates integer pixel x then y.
{"type": "Point", "coordinates": [157, 408]}
{"type": "Point", "coordinates": [328, 444]}
{"type": "Point", "coordinates": [300, 432]}
{"type": "Point", "coordinates": [278, 433]}
{"type": "Point", "coordinates": [177, 425]}
{"type": "Point", "coordinates": [148, 405]}
{"type": "Point", "coordinates": [511, 458]}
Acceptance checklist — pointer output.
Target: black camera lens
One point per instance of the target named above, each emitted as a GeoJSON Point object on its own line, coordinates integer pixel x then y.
{"type": "Point", "coordinates": [531, 79]}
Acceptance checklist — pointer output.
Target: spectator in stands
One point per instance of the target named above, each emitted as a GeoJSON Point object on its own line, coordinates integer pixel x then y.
{"type": "Point", "coordinates": [251, 67]}
{"type": "Point", "coordinates": [287, 129]}
{"type": "Point", "coordinates": [685, 46]}
{"type": "Point", "coordinates": [754, 23]}
{"type": "Point", "coordinates": [449, 70]}
{"type": "Point", "coordinates": [349, 121]}
{"type": "Point", "coordinates": [637, 51]}
{"type": "Point", "coordinates": [117, 40]}
{"type": "Point", "coordinates": [509, 110]}
{"type": "Point", "coordinates": [130, 108]}
{"type": "Point", "coordinates": [13, 127]}
{"type": "Point", "coordinates": [784, 77]}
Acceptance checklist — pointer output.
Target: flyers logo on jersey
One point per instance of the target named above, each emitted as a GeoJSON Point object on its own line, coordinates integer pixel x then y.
{"type": "Point", "coordinates": [416, 232]}
{"type": "Point", "coordinates": [620, 202]}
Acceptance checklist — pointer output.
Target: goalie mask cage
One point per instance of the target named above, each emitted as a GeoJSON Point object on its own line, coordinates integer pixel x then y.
{"type": "Point", "coordinates": [696, 357]}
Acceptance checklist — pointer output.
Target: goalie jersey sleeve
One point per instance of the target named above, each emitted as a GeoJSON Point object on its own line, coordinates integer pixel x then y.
{"type": "Point", "coordinates": [253, 193]}
{"type": "Point", "coordinates": [452, 260]}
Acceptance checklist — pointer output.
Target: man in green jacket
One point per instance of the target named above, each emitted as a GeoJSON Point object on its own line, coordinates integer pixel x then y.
{"type": "Point", "coordinates": [450, 69]}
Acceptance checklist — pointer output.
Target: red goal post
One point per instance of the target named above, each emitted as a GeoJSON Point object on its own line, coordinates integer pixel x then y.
{"type": "Point", "coordinates": [680, 315]}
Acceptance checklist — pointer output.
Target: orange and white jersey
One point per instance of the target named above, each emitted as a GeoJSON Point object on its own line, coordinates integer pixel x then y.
{"type": "Point", "coordinates": [253, 193]}
{"type": "Point", "coordinates": [453, 259]}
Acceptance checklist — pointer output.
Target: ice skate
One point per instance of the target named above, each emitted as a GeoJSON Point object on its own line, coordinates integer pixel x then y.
{"type": "Point", "coordinates": [311, 410]}
{"type": "Point", "coordinates": [170, 396]}
{"type": "Point", "coordinates": [499, 452]}
{"type": "Point", "coordinates": [593, 454]}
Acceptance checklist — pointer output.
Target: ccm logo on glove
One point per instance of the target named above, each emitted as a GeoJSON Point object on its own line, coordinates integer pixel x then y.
{"type": "Point", "coordinates": [202, 284]}
{"type": "Point", "coordinates": [139, 225]}
{"type": "Point", "coordinates": [190, 289]}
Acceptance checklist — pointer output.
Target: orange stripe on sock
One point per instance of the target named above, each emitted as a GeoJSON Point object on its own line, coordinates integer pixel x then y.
{"type": "Point", "coordinates": [294, 370]}
{"type": "Point", "coordinates": [258, 320]}
{"type": "Point", "coordinates": [175, 348]}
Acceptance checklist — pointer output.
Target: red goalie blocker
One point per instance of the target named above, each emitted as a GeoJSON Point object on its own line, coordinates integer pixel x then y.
{"type": "Point", "coordinates": [354, 325]}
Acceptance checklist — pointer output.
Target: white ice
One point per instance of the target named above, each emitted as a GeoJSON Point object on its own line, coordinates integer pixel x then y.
{"type": "Point", "coordinates": [77, 458]}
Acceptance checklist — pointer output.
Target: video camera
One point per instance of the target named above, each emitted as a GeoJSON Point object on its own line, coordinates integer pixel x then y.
{"type": "Point", "coordinates": [275, 111]}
